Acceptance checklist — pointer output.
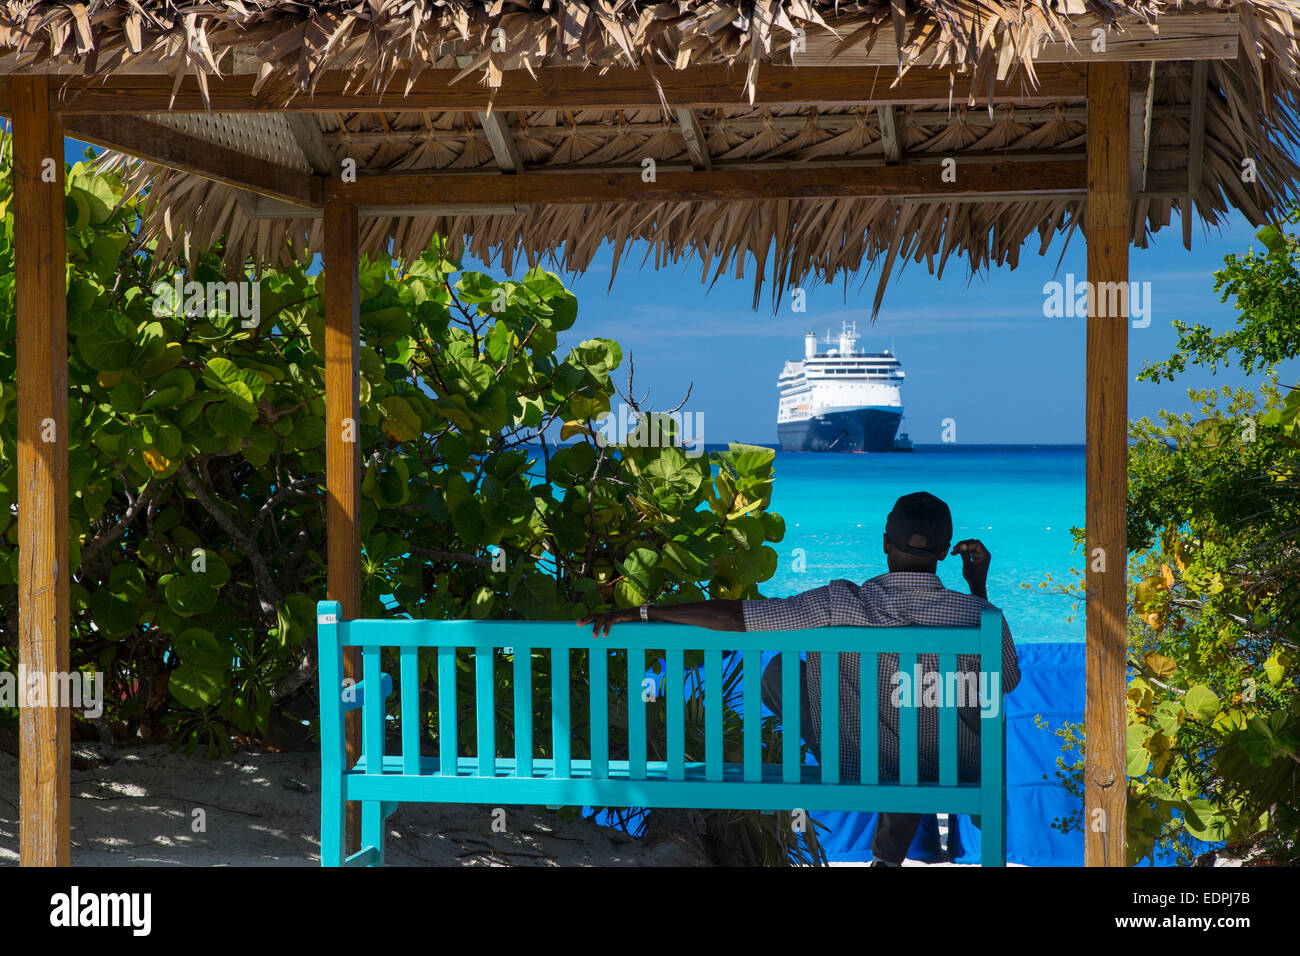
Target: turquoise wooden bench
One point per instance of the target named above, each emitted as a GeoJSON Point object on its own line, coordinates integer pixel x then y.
{"type": "Point", "coordinates": [381, 781]}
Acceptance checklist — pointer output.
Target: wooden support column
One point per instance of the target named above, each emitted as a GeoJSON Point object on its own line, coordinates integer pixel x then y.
{"type": "Point", "coordinates": [1108, 228]}
{"type": "Point", "coordinates": [40, 255]}
{"type": "Point", "coordinates": [343, 449]}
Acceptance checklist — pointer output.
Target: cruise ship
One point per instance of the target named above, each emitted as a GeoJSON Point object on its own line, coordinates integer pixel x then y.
{"type": "Point", "coordinates": [840, 400]}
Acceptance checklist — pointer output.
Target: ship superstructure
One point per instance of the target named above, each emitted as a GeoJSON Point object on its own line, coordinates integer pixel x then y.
{"type": "Point", "coordinates": [839, 399]}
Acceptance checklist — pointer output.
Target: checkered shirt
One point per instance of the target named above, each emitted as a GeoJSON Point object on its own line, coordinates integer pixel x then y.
{"type": "Point", "coordinates": [897, 599]}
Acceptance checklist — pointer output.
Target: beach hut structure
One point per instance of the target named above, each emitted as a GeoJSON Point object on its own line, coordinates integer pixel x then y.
{"type": "Point", "coordinates": [798, 139]}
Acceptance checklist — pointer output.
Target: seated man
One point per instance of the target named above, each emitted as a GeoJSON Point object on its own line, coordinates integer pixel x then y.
{"type": "Point", "coordinates": [917, 534]}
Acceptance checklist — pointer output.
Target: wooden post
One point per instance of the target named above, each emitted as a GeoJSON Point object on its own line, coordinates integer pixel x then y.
{"type": "Point", "coordinates": [40, 255]}
{"type": "Point", "coordinates": [1108, 229]}
{"type": "Point", "coordinates": [343, 449]}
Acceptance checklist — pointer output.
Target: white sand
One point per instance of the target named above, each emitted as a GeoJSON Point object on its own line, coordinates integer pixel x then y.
{"type": "Point", "coordinates": [263, 809]}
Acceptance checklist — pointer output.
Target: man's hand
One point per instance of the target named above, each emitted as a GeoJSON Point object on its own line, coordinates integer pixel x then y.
{"type": "Point", "coordinates": [608, 619]}
{"type": "Point", "coordinates": [975, 560]}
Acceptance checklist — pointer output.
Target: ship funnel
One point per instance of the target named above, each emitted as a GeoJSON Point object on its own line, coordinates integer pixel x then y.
{"type": "Point", "coordinates": [810, 345]}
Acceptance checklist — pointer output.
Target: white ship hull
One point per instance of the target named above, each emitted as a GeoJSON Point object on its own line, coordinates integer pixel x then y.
{"type": "Point", "coordinates": [840, 400]}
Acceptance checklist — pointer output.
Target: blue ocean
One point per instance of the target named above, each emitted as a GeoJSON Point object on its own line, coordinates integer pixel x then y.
{"type": "Point", "coordinates": [1020, 500]}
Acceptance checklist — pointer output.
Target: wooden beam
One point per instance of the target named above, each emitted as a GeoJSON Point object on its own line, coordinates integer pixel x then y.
{"type": "Point", "coordinates": [971, 178]}
{"type": "Point", "coordinates": [176, 150]}
{"type": "Point", "coordinates": [706, 86]}
{"type": "Point", "coordinates": [893, 149]}
{"type": "Point", "coordinates": [697, 146]}
{"type": "Point", "coordinates": [45, 730]}
{"type": "Point", "coordinates": [341, 259]}
{"type": "Point", "coordinates": [1108, 230]}
{"type": "Point", "coordinates": [1180, 36]}
{"type": "Point", "coordinates": [502, 141]}
{"type": "Point", "coordinates": [307, 133]}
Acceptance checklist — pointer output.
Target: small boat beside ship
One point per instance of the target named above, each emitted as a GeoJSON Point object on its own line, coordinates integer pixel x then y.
{"type": "Point", "coordinates": [840, 399]}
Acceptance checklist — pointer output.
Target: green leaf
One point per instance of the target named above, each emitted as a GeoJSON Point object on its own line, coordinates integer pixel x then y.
{"type": "Point", "coordinates": [534, 595]}
{"type": "Point", "coordinates": [1139, 758]}
{"type": "Point", "coordinates": [201, 678]}
{"type": "Point", "coordinates": [401, 423]}
{"type": "Point", "coordinates": [1202, 702]}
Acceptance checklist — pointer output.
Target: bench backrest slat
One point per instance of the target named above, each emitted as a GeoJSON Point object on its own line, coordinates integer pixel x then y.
{"type": "Point", "coordinates": [523, 681]}
{"type": "Point", "coordinates": [713, 708]}
{"type": "Point", "coordinates": [830, 718]}
{"type": "Point", "coordinates": [560, 739]}
{"type": "Point", "coordinates": [636, 743]}
{"type": "Point", "coordinates": [907, 767]}
{"type": "Point", "coordinates": [598, 669]}
{"type": "Point", "coordinates": [948, 721]}
{"type": "Point", "coordinates": [448, 745]}
{"type": "Point", "coordinates": [400, 632]}
{"type": "Point", "coordinates": [869, 714]}
{"type": "Point", "coordinates": [675, 692]}
{"type": "Point", "coordinates": [372, 717]}
{"type": "Point", "coordinates": [412, 710]}
{"type": "Point", "coordinates": [790, 717]}
{"type": "Point", "coordinates": [753, 715]}
{"type": "Point", "coordinates": [485, 710]}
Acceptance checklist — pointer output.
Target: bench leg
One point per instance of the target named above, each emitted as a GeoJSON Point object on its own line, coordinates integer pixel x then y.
{"type": "Point", "coordinates": [993, 831]}
{"type": "Point", "coordinates": [372, 827]}
{"type": "Point", "coordinates": [331, 820]}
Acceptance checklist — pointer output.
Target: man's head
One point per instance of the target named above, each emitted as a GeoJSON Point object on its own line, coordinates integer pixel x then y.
{"type": "Point", "coordinates": [917, 533]}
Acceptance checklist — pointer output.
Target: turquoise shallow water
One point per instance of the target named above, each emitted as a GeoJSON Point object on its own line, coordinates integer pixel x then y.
{"type": "Point", "coordinates": [1020, 500]}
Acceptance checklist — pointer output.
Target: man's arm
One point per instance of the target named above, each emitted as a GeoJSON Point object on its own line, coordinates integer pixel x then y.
{"type": "Point", "coordinates": [722, 615]}
{"type": "Point", "coordinates": [975, 560]}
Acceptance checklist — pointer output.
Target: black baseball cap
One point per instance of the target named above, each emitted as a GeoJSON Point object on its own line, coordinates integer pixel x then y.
{"type": "Point", "coordinates": [920, 524]}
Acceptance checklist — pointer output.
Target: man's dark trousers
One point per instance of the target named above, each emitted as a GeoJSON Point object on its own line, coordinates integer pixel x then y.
{"type": "Point", "coordinates": [894, 831]}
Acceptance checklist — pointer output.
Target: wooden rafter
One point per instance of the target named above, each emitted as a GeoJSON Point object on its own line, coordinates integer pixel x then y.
{"type": "Point", "coordinates": [176, 150]}
{"type": "Point", "coordinates": [306, 132]}
{"type": "Point", "coordinates": [502, 141]}
{"type": "Point", "coordinates": [688, 123]}
{"type": "Point", "coordinates": [889, 134]}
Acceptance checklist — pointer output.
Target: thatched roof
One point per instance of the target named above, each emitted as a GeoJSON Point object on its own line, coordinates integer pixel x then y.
{"type": "Point", "coordinates": [1251, 113]}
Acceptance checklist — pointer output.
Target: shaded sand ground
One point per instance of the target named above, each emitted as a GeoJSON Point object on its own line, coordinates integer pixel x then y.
{"type": "Point", "coordinates": [263, 809]}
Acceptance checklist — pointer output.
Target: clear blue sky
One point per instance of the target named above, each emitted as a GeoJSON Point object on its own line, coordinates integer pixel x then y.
{"type": "Point", "coordinates": [980, 352]}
